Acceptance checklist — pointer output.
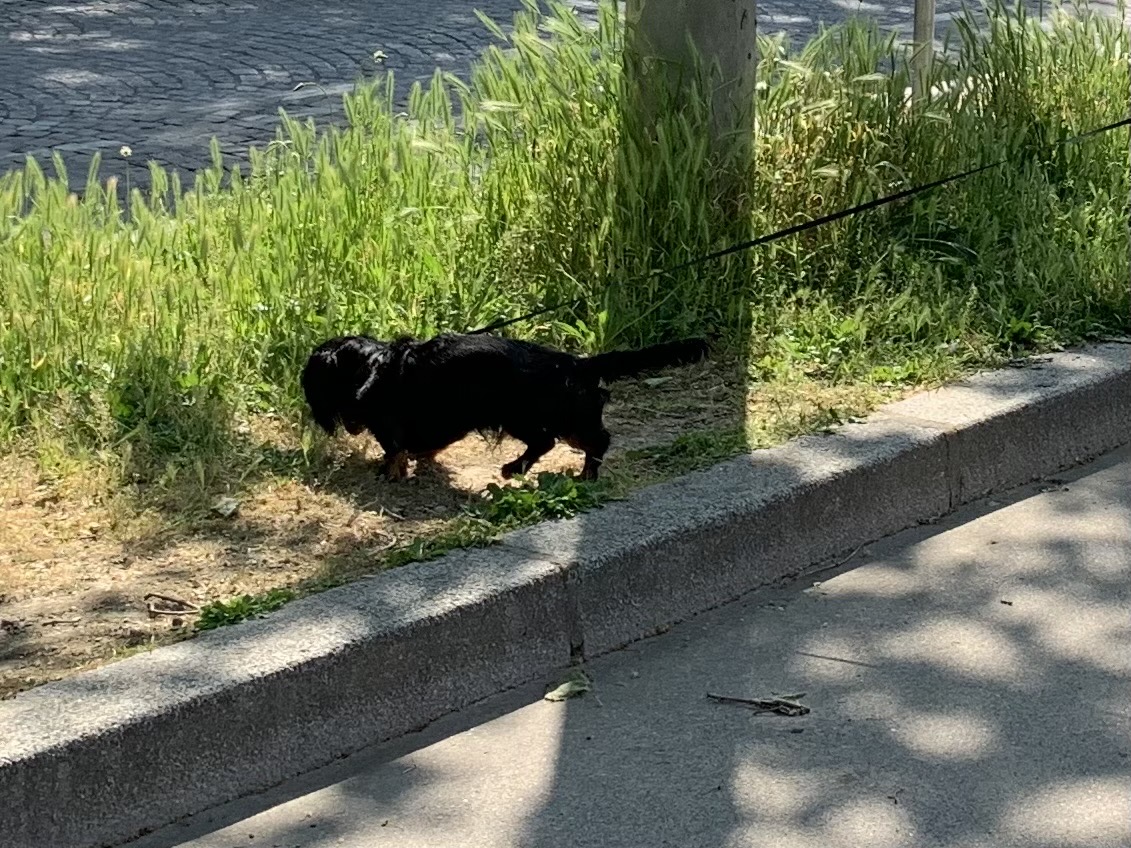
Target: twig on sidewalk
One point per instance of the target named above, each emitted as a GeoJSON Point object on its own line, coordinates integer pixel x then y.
{"type": "Point", "coordinates": [782, 706]}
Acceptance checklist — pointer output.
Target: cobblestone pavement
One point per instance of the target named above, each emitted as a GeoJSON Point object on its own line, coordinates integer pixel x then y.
{"type": "Point", "coordinates": [165, 76]}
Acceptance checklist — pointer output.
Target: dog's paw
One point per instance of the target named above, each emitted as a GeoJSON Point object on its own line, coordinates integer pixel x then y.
{"type": "Point", "coordinates": [395, 467]}
{"type": "Point", "coordinates": [513, 469]}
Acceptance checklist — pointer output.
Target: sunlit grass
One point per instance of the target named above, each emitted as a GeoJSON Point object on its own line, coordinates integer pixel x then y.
{"type": "Point", "coordinates": [144, 338]}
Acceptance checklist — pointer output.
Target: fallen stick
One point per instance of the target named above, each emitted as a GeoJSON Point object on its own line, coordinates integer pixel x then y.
{"type": "Point", "coordinates": [781, 706]}
{"type": "Point", "coordinates": [184, 607]}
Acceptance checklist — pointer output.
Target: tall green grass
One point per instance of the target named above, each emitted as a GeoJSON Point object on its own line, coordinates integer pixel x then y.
{"type": "Point", "coordinates": [150, 327]}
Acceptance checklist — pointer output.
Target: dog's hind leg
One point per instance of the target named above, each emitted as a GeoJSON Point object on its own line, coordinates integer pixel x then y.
{"type": "Point", "coordinates": [590, 434]}
{"type": "Point", "coordinates": [594, 443]}
{"type": "Point", "coordinates": [536, 448]}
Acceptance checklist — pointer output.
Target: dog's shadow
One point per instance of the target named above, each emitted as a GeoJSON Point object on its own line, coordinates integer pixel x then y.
{"type": "Point", "coordinates": [356, 477]}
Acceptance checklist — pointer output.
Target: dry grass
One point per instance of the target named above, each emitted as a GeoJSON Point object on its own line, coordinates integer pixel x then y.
{"type": "Point", "coordinates": [78, 558]}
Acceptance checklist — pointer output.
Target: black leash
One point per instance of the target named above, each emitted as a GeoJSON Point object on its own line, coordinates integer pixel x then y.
{"type": "Point", "coordinates": [797, 228]}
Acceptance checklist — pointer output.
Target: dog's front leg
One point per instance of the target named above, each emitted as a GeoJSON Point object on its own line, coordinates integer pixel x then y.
{"type": "Point", "coordinates": [395, 464]}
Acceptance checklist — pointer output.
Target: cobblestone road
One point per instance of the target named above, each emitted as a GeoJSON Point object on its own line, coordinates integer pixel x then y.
{"type": "Point", "coordinates": [165, 76]}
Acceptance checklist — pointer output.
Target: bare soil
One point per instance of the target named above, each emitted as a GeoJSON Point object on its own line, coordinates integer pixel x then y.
{"type": "Point", "coordinates": [78, 559]}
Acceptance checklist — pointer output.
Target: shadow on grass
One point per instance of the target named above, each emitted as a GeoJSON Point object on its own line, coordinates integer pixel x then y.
{"type": "Point", "coordinates": [330, 501]}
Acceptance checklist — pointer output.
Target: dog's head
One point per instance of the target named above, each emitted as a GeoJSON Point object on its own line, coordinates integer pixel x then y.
{"type": "Point", "coordinates": [336, 379]}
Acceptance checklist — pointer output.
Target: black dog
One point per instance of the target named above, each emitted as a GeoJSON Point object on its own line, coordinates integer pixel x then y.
{"type": "Point", "coordinates": [418, 397]}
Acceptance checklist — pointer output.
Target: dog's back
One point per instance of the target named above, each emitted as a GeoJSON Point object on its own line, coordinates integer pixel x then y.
{"type": "Point", "coordinates": [486, 383]}
{"type": "Point", "coordinates": [461, 383]}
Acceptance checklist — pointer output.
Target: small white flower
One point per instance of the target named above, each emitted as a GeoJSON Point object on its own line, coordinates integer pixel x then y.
{"type": "Point", "coordinates": [125, 151]}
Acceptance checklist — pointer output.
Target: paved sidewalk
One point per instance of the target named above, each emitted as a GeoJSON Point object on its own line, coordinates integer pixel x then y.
{"type": "Point", "coordinates": [969, 685]}
{"type": "Point", "coordinates": [165, 76]}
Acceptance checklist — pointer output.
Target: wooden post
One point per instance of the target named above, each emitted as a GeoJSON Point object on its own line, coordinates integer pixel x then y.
{"type": "Point", "coordinates": [924, 48]}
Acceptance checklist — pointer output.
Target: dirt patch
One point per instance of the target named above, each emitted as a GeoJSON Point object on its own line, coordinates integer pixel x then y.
{"type": "Point", "coordinates": [78, 562]}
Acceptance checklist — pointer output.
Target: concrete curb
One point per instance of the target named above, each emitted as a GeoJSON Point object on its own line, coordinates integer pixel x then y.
{"type": "Point", "coordinates": [108, 754]}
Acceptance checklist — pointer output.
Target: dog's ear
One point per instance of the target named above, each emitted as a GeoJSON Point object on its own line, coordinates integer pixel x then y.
{"type": "Point", "coordinates": [316, 377]}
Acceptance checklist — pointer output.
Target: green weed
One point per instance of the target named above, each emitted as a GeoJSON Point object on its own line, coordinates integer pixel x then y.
{"type": "Point", "coordinates": [221, 613]}
{"type": "Point", "coordinates": [501, 508]}
{"type": "Point", "coordinates": [549, 495]}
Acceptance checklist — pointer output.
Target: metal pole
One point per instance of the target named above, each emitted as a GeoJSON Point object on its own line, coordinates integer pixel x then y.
{"type": "Point", "coordinates": [924, 46]}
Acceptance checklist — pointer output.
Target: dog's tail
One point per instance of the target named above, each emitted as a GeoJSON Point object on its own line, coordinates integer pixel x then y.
{"type": "Point", "coordinates": [628, 363]}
